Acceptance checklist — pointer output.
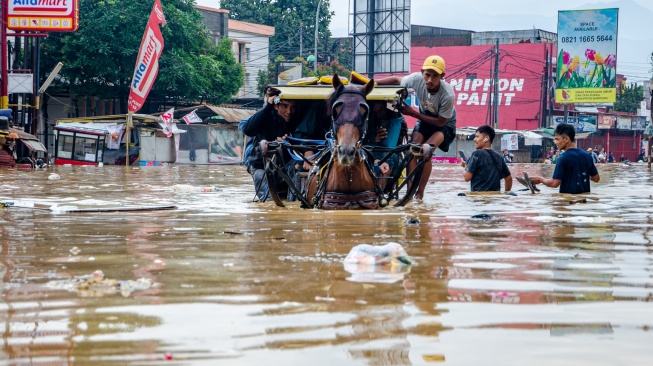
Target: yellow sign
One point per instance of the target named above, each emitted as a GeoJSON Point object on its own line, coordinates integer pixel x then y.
{"type": "Point", "coordinates": [586, 95]}
{"type": "Point", "coordinates": [43, 15]}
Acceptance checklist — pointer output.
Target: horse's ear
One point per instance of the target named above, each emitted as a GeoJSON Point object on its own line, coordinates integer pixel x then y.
{"type": "Point", "coordinates": [367, 89]}
{"type": "Point", "coordinates": [336, 81]}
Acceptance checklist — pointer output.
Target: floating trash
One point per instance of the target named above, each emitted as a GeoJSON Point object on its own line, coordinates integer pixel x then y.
{"type": "Point", "coordinates": [97, 285]}
{"type": "Point", "coordinates": [482, 217]}
{"type": "Point", "coordinates": [413, 221]}
{"type": "Point", "coordinates": [391, 253]}
{"type": "Point", "coordinates": [54, 176]}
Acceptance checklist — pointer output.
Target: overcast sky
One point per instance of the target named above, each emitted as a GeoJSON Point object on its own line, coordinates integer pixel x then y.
{"type": "Point", "coordinates": [635, 42]}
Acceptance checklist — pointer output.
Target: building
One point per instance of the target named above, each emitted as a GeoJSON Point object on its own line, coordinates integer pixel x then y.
{"type": "Point", "coordinates": [251, 44]}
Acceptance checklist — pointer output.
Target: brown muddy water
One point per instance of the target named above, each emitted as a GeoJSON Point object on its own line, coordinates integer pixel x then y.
{"type": "Point", "coordinates": [221, 280]}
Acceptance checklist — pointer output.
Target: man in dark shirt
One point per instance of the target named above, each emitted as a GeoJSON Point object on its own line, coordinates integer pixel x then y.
{"type": "Point", "coordinates": [574, 169]}
{"type": "Point", "coordinates": [276, 120]}
{"type": "Point", "coordinates": [485, 168]}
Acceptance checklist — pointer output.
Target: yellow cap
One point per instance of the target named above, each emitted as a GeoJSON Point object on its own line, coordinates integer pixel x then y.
{"type": "Point", "coordinates": [435, 63]}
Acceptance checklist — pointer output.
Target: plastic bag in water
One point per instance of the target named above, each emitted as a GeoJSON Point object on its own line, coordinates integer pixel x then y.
{"type": "Point", "coordinates": [391, 253]}
{"type": "Point", "coordinates": [377, 263]}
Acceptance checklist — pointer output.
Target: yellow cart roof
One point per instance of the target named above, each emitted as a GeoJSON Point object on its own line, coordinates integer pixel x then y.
{"type": "Point", "coordinates": [322, 92]}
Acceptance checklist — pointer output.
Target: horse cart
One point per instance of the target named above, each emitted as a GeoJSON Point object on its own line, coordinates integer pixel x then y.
{"type": "Point", "coordinates": [342, 169]}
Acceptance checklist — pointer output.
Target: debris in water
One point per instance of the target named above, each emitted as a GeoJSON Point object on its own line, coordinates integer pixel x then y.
{"type": "Point", "coordinates": [54, 176]}
{"type": "Point", "coordinates": [413, 221]}
{"type": "Point", "coordinates": [482, 217]}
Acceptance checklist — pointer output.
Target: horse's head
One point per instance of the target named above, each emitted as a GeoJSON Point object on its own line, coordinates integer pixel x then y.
{"type": "Point", "coordinates": [349, 112]}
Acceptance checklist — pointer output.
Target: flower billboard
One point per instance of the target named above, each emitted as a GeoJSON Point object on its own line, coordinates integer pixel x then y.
{"type": "Point", "coordinates": [587, 57]}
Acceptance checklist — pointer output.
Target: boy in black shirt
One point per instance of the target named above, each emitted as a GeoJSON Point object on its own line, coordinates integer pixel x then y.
{"type": "Point", "coordinates": [485, 168]}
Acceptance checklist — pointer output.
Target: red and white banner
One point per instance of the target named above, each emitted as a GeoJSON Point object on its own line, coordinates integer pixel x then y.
{"type": "Point", "coordinates": [192, 117]}
{"type": "Point", "coordinates": [167, 118]}
{"type": "Point", "coordinates": [147, 63]}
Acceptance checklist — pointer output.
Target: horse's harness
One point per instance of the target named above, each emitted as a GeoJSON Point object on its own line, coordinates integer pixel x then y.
{"type": "Point", "coordinates": [321, 169]}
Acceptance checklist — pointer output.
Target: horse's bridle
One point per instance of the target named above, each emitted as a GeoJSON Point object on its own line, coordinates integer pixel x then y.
{"type": "Point", "coordinates": [360, 118]}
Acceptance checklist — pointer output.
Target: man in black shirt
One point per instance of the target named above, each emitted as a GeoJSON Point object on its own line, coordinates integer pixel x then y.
{"type": "Point", "coordinates": [574, 169]}
{"type": "Point", "coordinates": [485, 168]}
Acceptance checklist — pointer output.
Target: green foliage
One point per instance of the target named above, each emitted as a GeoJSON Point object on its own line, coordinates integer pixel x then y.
{"type": "Point", "coordinates": [629, 98]}
{"type": "Point", "coordinates": [99, 58]}
{"type": "Point", "coordinates": [289, 18]}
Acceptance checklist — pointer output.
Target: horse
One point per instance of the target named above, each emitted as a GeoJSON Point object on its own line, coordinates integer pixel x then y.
{"type": "Point", "coordinates": [343, 177]}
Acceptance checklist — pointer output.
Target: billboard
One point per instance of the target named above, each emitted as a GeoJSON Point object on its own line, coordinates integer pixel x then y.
{"type": "Point", "coordinates": [624, 123]}
{"type": "Point", "coordinates": [586, 124]}
{"type": "Point", "coordinates": [288, 71]}
{"type": "Point", "coordinates": [587, 56]}
{"type": "Point", "coordinates": [606, 122]}
{"type": "Point", "coordinates": [43, 16]}
{"type": "Point", "coordinates": [638, 123]}
{"type": "Point", "coordinates": [381, 36]}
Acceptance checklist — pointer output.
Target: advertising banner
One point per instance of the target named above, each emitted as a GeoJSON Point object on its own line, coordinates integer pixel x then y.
{"type": "Point", "coordinates": [586, 124]}
{"type": "Point", "coordinates": [606, 122]}
{"type": "Point", "coordinates": [559, 120]}
{"type": "Point", "coordinates": [624, 123]}
{"type": "Point", "coordinates": [510, 142]}
{"type": "Point", "coordinates": [43, 16]}
{"type": "Point", "coordinates": [587, 58]}
{"type": "Point", "coordinates": [147, 63]}
{"type": "Point", "coordinates": [638, 123]}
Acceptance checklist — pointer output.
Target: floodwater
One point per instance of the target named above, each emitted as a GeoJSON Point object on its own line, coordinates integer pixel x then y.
{"type": "Point", "coordinates": [227, 281]}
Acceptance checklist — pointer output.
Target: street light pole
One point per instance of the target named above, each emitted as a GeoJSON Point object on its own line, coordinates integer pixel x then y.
{"type": "Point", "coordinates": [317, 17]}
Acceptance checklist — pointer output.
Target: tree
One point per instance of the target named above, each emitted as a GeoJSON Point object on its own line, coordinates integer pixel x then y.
{"type": "Point", "coordinates": [629, 98]}
{"type": "Point", "coordinates": [289, 18]}
{"type": "Point", "coordinates": [99, 58]}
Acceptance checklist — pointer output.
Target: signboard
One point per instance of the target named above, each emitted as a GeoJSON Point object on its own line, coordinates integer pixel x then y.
{"type": "Point", "coordinates": [586, 124]}
{"type": "Point", "coordinates": [288, 71]}
{"type": "Point", "coordinates": [638, 123]}
{"type": "Point", "coordinates": [624, 123]}
{"type": "Point", "coordinates": [587, 59]}
{"type": "Point", "coordinates": [606, 122]}
{"type": "Point", "coordinates": [510, 141]}
{"type": "Point", "coordinates": [559, 120]}
{"type": "Point", "coordinates": [43, 15]}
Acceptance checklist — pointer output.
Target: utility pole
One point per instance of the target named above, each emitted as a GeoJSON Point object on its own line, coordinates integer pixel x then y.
{"type": "Point", "coordinates": [371, 7]}
{"type": "Point", "coordinates": [495, 116]}
{"type": "Point", "coordinates": [545, 88]}
{"type": "Point", "coordinates": [317, 17]}
{"type": "Point", "coordinates": [301, 41]}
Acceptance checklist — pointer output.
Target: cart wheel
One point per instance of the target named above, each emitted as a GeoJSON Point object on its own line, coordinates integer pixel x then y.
{"type": "Point", "coordinates": [270, 177]}
{"type": "Point", "coordinates": [424, 155]}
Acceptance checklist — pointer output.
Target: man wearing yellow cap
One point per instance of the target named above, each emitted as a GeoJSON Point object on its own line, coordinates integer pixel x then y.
{"type": "Point", "coordinates": [436, 118]}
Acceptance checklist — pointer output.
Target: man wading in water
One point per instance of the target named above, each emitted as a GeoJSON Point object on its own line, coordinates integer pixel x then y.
{"type": "Point", "coordinates": [574, 169]}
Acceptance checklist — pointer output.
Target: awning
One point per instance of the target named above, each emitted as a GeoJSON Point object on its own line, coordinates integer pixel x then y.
{"type": "Point", "coordinates": [531, 138]}
{"type": "Point", "coordinates": [322, 92]}
{"type": "Point", "coordinates": [586, 109]}
{"type": "Point", "coordinates": [34, 146]}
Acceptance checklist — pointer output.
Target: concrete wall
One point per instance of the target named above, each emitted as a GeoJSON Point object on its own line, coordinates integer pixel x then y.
{"type": "Point", "coordinates": [256, 59]}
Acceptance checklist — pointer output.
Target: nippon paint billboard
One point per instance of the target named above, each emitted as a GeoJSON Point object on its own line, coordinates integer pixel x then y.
{"type": "Point", "coordinates": [43, 15]}
{"type": "Point", "coordinates": [468, 71]}
{"type": "Point", "coordinates": [587, 56]}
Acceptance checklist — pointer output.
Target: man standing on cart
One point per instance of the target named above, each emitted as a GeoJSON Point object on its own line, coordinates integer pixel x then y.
{"type": "Point", "coordinates": [436, 118]}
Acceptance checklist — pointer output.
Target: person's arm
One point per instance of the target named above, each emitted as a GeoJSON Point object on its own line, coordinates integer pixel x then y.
{"type": "Point", "coordinates": [390, 80]}
{"type": "Point", "coordinates": [508, 180]}
{"type": "Point", "coordinates": [255, 123]}
{"type": "Point", "coordinates": [595, 178]}
{"type": "Point", "coordinates": [549, 182]}
{"type": "Point", "coordinates": [468, 176]}
{"type": "Point", "coordinates": [470, 167]}
{"type": "Point", "coordinates": [407, 110]}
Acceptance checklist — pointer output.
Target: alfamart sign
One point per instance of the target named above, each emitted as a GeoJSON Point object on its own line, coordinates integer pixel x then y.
{"type": "Point", "coordinates": [43, 15]}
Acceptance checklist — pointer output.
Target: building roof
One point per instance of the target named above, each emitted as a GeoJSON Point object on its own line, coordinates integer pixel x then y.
{"type": "Point", "coordinates": [237, 25]}
{"type": "Point", "coordinates": [211, 9]}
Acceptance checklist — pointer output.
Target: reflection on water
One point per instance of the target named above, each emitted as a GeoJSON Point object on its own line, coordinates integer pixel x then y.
{"type": "Point", "coordinates": [544, 279]}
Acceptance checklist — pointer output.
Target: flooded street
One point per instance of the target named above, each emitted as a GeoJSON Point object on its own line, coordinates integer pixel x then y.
{"type": "Point", "coordinates": [221, 280]}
